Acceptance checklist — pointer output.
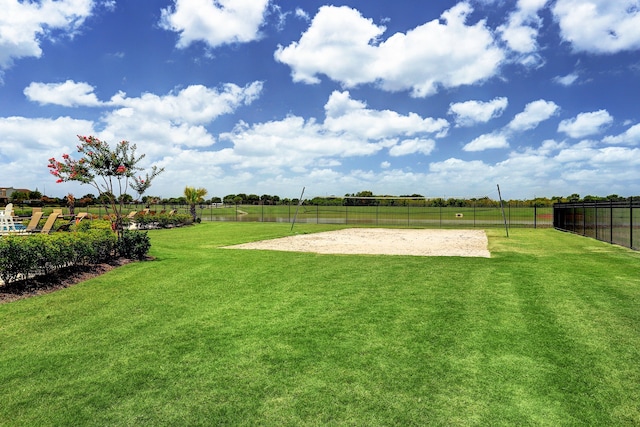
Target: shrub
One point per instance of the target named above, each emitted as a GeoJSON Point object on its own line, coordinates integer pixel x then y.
{"type": "Point", "coordinates": [134, 244]}
{"type": "Point", "coordinates": [16, 258]}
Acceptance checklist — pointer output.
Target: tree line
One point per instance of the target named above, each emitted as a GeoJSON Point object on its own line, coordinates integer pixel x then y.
{"type": "Point", "coordinates": [361, 198]}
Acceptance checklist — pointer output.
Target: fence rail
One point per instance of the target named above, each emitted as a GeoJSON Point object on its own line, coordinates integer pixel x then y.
{"type": "Point", "coordinates": [613, 222]}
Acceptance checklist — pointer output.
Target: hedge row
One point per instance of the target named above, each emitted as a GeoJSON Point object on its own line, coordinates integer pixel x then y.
{"type": "Point", "coordinates": [146, 221]}
{"type": "Point", "coordinates": [25, 256]}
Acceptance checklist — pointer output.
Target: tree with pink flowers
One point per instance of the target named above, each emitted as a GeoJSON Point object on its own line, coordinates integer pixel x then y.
{"type": "Point", "coordinates": [109, 170]}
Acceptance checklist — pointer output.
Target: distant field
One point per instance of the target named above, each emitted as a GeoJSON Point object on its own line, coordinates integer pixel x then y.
{"type": "Point", "coordinates": [545, 332]}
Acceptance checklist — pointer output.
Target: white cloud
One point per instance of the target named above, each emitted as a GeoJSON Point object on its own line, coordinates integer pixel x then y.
{"type": "Point", "coordinates": [522, 27]}
{"type": "Point", "coordinates": [193, 104]}
{"type": "Point", "coordinates": [68, 94]}
{"type": "Point", "coordinates": [344, 114]}
{"type": "Point", "coordinates": [487, 141]}
{"type": "Point", "coordinates": [412, 146]}
{"type": "Point", "coordinates": [28, 143]}
{"type": "Point", "coordinates": [585, 124]}
{"type": "Point", "coordinates": [20, 134]}
{"type": "Point", "coordinates": [343, 45]}
{"type": "Point", "coordinates": [567, 80]}
{"type": "Point", "coordinates": [300, 13]}
{"type": "Point", "coordinates": [350, 129]}
{"type": "Point", "coordinates": [630, 137]}
{"type": "Point", "coordinates": [24, 25]}
{"type": "Point", "coordinates": [534, 113]}
{"type": "Point", "coordinates": [215, 23]}
{"type": "Point", "coordinates": [293, 141]}
{"type": "Point", "coordinates": [469, 113]}
{"type": "Point", "coordinates": [599, 26]}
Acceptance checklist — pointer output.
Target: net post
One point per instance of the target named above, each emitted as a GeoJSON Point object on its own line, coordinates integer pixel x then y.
{"type": "Point", "coordinates": [502, 209]}
{"type": "Point", "coordinates": [297, 207]}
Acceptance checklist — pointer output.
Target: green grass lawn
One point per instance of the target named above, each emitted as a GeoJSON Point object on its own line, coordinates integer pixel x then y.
{"type": "Point", "coordinates": [545, 332]}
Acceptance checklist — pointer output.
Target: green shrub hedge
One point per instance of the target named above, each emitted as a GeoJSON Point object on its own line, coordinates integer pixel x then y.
{"type": "Point", "coordinates": [90, 242]}
{"type": "Point", "coordinates": [146, 221]}
{"type": "Point", "coordinates": [24, 256]}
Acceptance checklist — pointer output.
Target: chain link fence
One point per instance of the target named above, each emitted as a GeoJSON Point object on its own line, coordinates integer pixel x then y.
{"type": "Point", "coordinates": [408, 216]}
{"type": "Point", "coordinates": [613, 222]}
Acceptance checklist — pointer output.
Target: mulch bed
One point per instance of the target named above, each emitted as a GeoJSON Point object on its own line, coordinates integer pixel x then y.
{"type": "Point", "coordinates": [60, 279]}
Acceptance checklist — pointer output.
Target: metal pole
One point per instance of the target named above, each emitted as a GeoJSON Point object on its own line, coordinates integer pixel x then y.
{"type": "Point", "coordinates": [297, 207]}
{"type": "Point", "coordinates": [631, 222]}
{"type": "Point", "coordinates": [502, 208]}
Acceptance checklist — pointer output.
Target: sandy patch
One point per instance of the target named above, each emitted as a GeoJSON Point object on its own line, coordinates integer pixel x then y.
{"type": "Point", "coordinates": [382, 241]}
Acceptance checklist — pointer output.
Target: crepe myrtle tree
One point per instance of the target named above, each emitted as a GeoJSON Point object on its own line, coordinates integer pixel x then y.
{"type": "Point", "coordinates": [108, 170]}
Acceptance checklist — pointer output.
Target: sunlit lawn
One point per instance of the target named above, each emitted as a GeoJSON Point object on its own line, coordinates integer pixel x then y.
{"type": "Point", "coordinates": [545, 332]}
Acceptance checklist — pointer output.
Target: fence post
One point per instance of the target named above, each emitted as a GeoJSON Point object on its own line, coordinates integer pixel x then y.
{"type": "Point", "coordinates": [595, 218]}
{"type": "Point", "coordinates": [535, 215]}
{"type": "Point", "coordinates": [584, 219]}
{"type": "Point", "coordinates": [610, 221]}
{"type": "Point", "coordinates": [631, 222]}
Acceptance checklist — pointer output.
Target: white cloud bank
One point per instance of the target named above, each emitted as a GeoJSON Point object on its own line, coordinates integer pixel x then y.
{"type": "Point", "coordinates": [343, 45]}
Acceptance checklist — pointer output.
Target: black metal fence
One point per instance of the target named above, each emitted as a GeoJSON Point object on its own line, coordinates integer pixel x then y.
{"type": "Point", "coordinates": [613, 222]}
{"type": "Point", "coordinates": [408, 216]}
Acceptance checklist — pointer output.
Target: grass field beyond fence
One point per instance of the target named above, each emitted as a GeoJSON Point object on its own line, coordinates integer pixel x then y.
{"type": "Point", "coordinates": [545, 332]}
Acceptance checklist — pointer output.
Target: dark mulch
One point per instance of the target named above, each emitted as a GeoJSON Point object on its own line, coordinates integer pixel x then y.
{"type": "Point", "coordinates": [52, 282]}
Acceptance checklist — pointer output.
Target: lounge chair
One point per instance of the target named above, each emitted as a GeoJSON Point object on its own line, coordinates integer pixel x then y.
{"type": "Point", "coordinates": [36, 215]}
{"type": "Point", "coordinates": [132, 214]}
{"type": "Point", "coordinates": [75, 220]}
{"type": "Point", "coordinates": [57, 213]}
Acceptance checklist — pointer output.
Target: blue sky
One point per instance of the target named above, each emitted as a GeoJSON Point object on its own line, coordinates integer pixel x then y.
{"type": "Point", "coordinates": [440, 98]}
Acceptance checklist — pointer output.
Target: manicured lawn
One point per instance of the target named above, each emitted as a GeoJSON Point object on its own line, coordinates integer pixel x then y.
{"type": "Point", "coordinates": [546, 332]}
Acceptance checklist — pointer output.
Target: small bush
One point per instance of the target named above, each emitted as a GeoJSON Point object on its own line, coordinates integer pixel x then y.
{"type": "Point", "coordinates": [134, 244]}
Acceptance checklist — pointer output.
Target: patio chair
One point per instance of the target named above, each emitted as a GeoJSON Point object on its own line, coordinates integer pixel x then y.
{"type": "Point", "coordinates": [75, 220]}
{"type": "Point", "coordinates": [36, 215]}
{"type": "Point", "coordinates": [57, 213]}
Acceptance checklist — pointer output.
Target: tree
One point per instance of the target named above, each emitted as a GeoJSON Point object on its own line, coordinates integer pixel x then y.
{"type": "Point", "coordinates": [19, 197]}
{"type": "Point", "coordinates": [107, 170]}
{"type": "Point", "coordinates": [194, 196]}
{"type": "Point", "coordinates": [140, 185]}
